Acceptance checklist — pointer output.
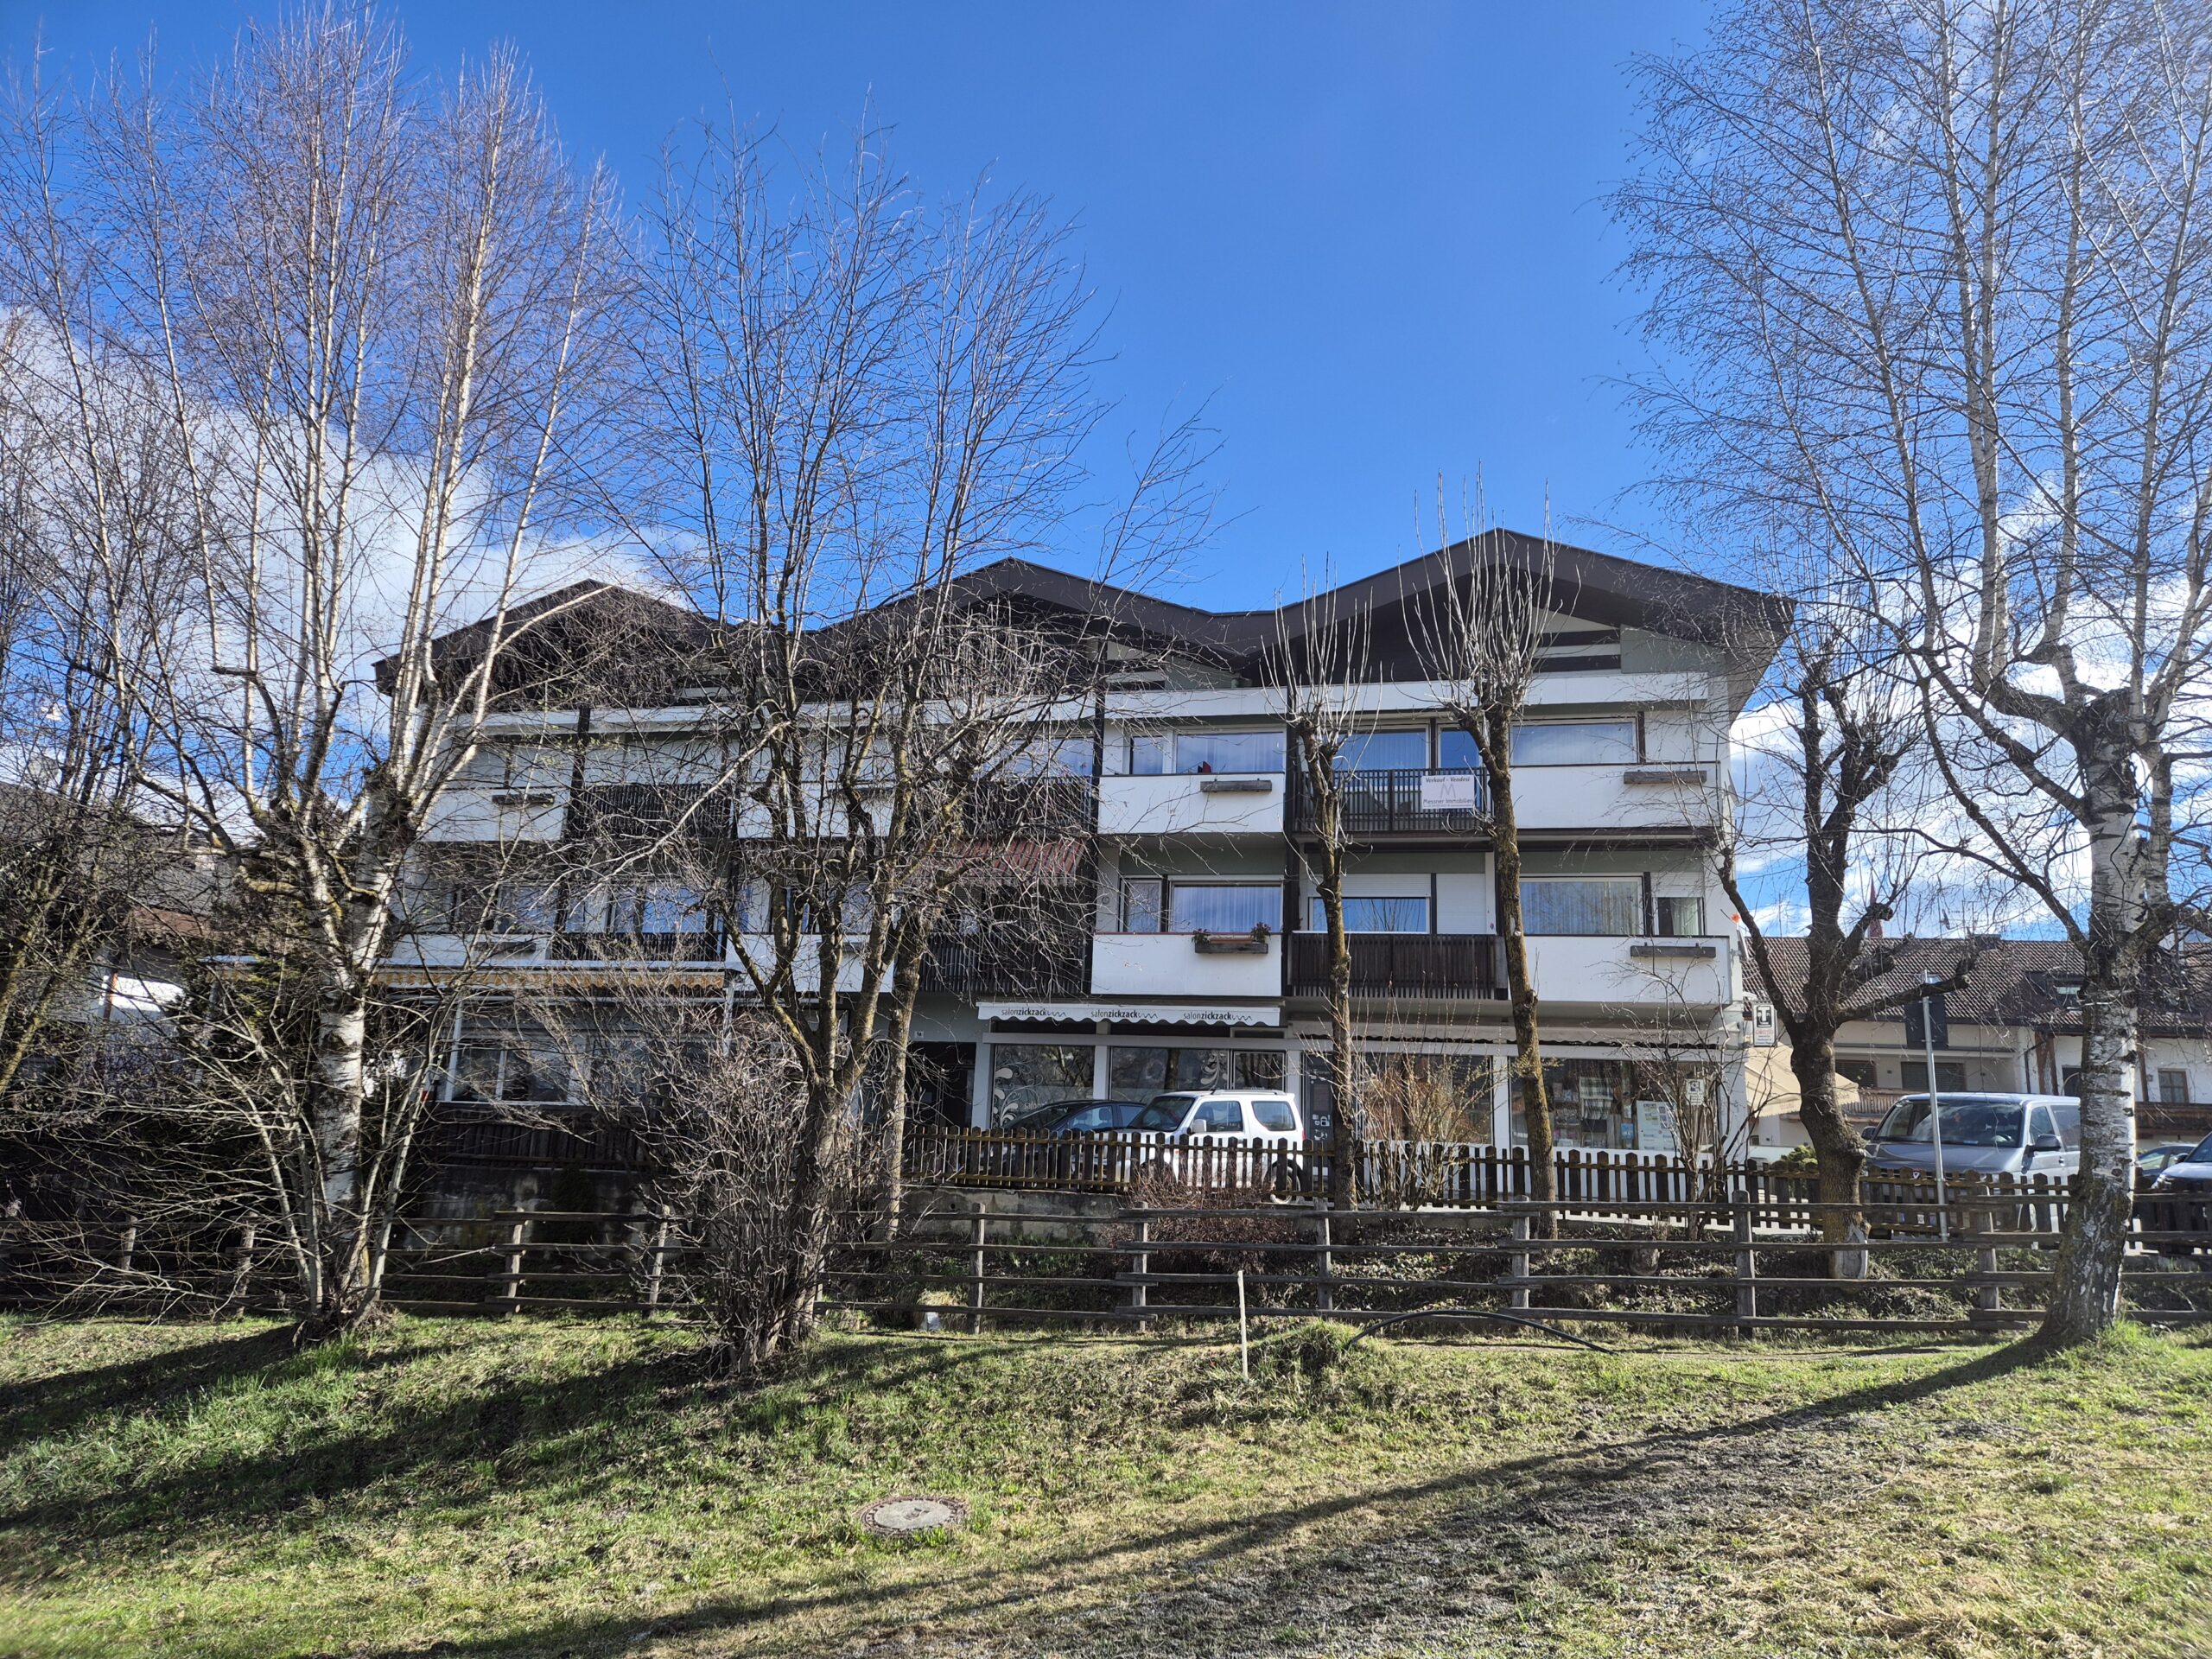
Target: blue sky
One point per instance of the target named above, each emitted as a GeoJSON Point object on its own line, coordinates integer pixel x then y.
{"type": "Point", "coordinates": [1369, 239]}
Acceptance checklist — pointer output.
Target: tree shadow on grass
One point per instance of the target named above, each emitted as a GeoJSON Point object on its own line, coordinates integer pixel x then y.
{"type": "Point", "coordinates": [539, 1433]}
{"type": "Point", "coordinates": [1393, 1545]}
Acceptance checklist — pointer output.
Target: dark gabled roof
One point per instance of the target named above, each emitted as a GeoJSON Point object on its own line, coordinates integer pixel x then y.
{"type": "Point", "coordinates": [1606, 590]}
{"type": "Point", "coordinates": [2022, 981]}
{"type": "Point", "coordinates": [585, 631]}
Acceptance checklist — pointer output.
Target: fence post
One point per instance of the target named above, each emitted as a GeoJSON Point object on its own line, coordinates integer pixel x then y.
{"type": "Point", "coordinates": [982, 1226]}
{"type": "Point", "coordinates": [1324, 1260]}
{"type": "Point", "coordinates": [244, 1270]}
{"type": "Point", "coordinates": [1517, 1262]}
{"type": "Point", "coordinates": [1140, 1265]}
{"type": "Point", "coordinates": [1989, 1296]}
{"type": "Point", "coordinates": [655, 1262]}
{"type": "Point", "coordinates": [1747, 1295]}
{"type": "Point", "coordinates": [510, 1291]}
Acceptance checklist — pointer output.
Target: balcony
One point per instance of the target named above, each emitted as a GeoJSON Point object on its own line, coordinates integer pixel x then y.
{"type": "Point", "coordinates": [691, 945]}
{"type": "Point", "coordinates": [468, 813]}
{"type": "Point", "coordinates": [1409, 801]}
{"type": "Point", "coordinates": [1614, 972]}
{"type": "Point", "coordinates": [1427, 967]}
{"type": "Point", "coordinates": [1194, 965]}
{"type": "Point", "coordinates": [971, 966]}
{"type": "Point", "coordinates": [1414, 802]}
{"type": "Point", "coordinates": [1187, 803]}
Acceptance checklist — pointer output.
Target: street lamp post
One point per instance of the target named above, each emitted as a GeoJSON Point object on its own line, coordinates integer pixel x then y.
{"type": "Point", "coordinates": [1934, 1103]}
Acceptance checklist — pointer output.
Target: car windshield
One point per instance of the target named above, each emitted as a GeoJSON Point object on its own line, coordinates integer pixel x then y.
{"type": "Point", "coordinates": [1166, 1112]}
{"type": "Point", "coordinates": [1968, 1121]}
{"type": "Point", "coordinates": [2201, 1153]}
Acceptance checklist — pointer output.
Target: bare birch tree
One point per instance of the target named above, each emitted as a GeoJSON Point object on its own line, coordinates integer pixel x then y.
{"type": "Point", "coordinates": [370, 309]}
{"type": "Point", "coordinates": [1935, 280]}
{"type": "Point", "coordinates": [1480, 632]}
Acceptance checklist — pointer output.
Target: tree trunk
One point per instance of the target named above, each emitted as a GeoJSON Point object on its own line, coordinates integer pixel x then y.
{"type": "Point", "coordinates": [2086, 1282]}
{"type": "Point", "coordinates": [1344, 1141]}
{"type": "Point", "coordinates": [1520, 984]}
{"type": "Point", "coordinates": [1842, 1154]}
{"type": "Point", "coordinates": [906, 992]}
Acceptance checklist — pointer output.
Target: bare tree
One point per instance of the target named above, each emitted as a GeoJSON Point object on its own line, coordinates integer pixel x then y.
{"type": "Point", "coordinates": [368, 308]}
{"type": "Point", "coordinates": [862, 400]}
{"type": "Point", "coordinates": [1837, 793]}
{"type": "Point", "coordinates": [1320, 660]}
{"type": "Point", "coordinates": [1480, 631]}
{"type": "Point", "coordinates": [1934, 279]}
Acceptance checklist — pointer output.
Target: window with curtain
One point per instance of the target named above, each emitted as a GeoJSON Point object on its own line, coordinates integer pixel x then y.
{"type": "Point", "coordinates": [1574, 743]}
{"type": "Point", "coordinates": [1208, 907]}
{"type": "Point", "coordinates": [1139, 1073]}
{"type": "Point", "coordinates": [1593, 907]}
{"type": "Point", "coordinates": [1679, 919]}
{"type": "Point", "coordinates": [1374, 916]}
{"type": "Point", "coordinates": [1211, 751]}
{"type": "Point", "coordinates": [1385, 752]}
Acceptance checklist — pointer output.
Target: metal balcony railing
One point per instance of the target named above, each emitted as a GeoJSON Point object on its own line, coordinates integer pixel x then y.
{"type": "Point", "coordinates": [1431, 966]}
{"type": "Point", "coordinates": [1392, 803]}
{"type": "Point", "coordinates": [972, 966]}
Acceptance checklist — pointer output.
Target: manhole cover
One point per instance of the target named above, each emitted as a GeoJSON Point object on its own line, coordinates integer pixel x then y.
{"type": "Point", "coordinates": [903, 1517]}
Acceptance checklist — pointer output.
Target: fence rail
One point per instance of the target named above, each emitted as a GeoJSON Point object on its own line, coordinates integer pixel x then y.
{"type": "Point", "coordinates": [1745, 1261]}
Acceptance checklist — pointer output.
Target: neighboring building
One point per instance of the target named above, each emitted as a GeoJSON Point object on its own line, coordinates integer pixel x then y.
{"type": "Point", "coordinates": [1197, 962]}
{"type": "Point", "coordinates": [2015, 1024]}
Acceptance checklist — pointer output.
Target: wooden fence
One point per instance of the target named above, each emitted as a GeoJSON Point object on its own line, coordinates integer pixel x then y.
{"type": "Point", "coordinates": [1398, 1174]}
{"type": "Point", "coordinates": [1745, 1261]}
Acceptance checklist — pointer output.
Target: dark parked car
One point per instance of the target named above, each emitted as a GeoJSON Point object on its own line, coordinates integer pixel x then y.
{"type": "Point", "coordinates": [1076, 1117]}
{"type": "Point", "coordinates": [2154, 1161]}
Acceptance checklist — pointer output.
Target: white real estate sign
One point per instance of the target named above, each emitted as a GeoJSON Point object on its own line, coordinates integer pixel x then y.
{"type": "Point", "coordinates": [1447, 792]}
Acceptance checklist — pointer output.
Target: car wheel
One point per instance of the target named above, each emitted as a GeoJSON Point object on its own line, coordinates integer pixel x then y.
{"type": "Point", "coordinates": [1289, 1181]}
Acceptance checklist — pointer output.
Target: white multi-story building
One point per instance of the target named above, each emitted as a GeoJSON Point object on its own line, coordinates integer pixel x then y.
{"type": "Point", "coordinates": [1204, 963]}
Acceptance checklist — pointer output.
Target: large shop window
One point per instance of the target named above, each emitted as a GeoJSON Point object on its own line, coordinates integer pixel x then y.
{"type": "Point", "coordinates": [1609, 907]}
{"type": "Point", "coordinates": [1205, 752]}
{"type": "Point", "coordinates": [1428, 1097]}
{"type": "Point", "coordinates": [1593, 1103]}
{"type": "Point", "coordinates": [1374, 916]}
{"type": "Point", "coordinates": [510, 1066]}
{"type": "Point", "coordinates": [1023, 1075]}
{"type": "Point", "coordinates": [1141, 1073]}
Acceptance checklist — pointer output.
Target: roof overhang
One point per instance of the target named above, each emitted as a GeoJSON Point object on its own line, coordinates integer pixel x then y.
{"type": "Point", "coordinates": [1137, 1014]}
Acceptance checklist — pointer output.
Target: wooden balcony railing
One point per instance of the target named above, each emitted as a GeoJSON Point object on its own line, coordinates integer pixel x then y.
{"type": "Point", "coordinates": [692, 945]}
{"type": "Point", "coordinates": [1434, 966]}
{"type": "Point", "coordinates": [972, 966]}
{"type": "Point", "coordinates": [1389, 803]}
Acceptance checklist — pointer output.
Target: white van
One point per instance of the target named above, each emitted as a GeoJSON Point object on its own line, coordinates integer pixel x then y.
{"type": "Point", "coordinates": [1260, 1118]}
{"type": "Point", "coordinates": [1983, 1134]}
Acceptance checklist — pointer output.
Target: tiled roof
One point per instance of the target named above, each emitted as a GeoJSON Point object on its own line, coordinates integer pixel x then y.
{"type": "Point", "coordinates": [2024, 982]}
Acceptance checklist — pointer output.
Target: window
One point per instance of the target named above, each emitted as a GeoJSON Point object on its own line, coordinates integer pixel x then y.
{"type": "Point", "coordinates": [1607, 906]}
{"type": "Point", "coordinates": [1052, 757]}
{"type": "Point", "coordinates": [1274, 1115]}
{"type": "Point", "coordinates": [1148, 756]}
{"type": "Point", "coordinates": [1220, 1117]}
{"type": "Point", "coordinates": [1416, 1096]}
{"type": "Point", "coordinates": [1679, 919]}
{"type": "Point", "coordinates": [1375, 916]}
{"type": "Point", "coordinates": [1211, 751]}
{"type": "Point", "coordinates": [1026, 1075]}
{"type": "Point", "coordinates": [1385, 752]}
{"type": "Point", "coordinates": [1861, 1072]}
{"type": "Point", "coordinates": [1593, 1103]}
{"type": "Point", "coordinates": [1950, 1075]}
{"type": "Point", "coordinates": [2173, 1087]}
{"type": "Point", "coordinates": [510, 1066]}
{"type": "Point", "coordinates": [1575, 743]}
{"type": "Point", "coordinates": [1196, 907]}
{"type": "Point", "coordinates": [1141, 1073]}
{"type": "Point", "coordinates": [1143, 905]}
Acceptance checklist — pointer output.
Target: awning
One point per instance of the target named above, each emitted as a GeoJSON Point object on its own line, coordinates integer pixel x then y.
{"type": "Point", "coordinates": [1137, 1014]}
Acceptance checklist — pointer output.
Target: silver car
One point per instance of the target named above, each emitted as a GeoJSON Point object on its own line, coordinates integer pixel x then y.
{"type": "Point", "coordinates": [1983, 1134]}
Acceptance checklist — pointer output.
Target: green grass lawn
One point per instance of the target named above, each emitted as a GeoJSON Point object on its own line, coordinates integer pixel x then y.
{"type": "Point", "coordinates": [469, 1488]}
